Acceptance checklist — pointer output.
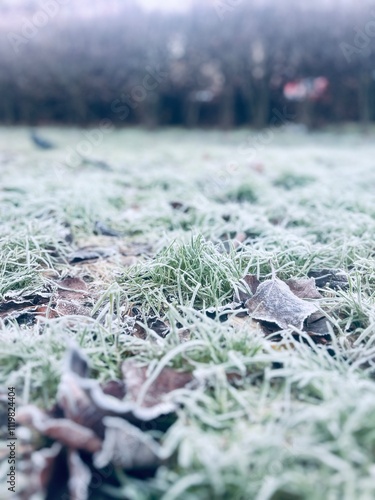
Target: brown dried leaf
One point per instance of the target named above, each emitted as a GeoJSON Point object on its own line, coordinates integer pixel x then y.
{"type": "Point", "coordinates": [63, 430]}
{"type": "Point", "coordinates": [275, 303]}
{"type": "Point", "coordinates": [246, 288]}
{"type": "Point", "coordinates": [39, 469]}
{"type": "Point", "coordinates": [160, 416]}
{"type": "Point", "coordinates": [304, 288]}
{"type": "Point", "coordinates": [16, 305]}
{"type": "Point", "coordinates": [78, 406]}
{"type": "Point", "coordinates": [72, 288]}
{"type": "Point", "coordinates": [168, 380]}
{"type": "Point", "coordinates": [84, 401]}
{"type": "Point", "coordinates": [71, 308]}
{"type": "Point", "coordinates": [96, 420]}
{"type": "Point", "coordinates": [115, 388]}
{"type": "Point", "coordinates": [70, 298]}
{"type": "Point", "coordinates": [318, 324]}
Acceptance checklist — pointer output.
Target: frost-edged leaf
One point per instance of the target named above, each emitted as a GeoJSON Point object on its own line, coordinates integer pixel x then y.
{"type": "Point", "coordinates": [274, 302]}
{"type": "Point", "coordinates": [318, 324]}
{"type": "Point", "coordinates": [167, 381]}
{"type": "Point", "coordinates": [39, 469]}
{"type": "Point", "coordinates": [127, 447]}
{"type": "Point", "coordinates": [115, 388]}
{"type": "Point", "coordinates": [136, 324]}
{"type": "Point", "coordinates": [160, 416]}
{"type": "Point", "coordinates": [15, 305]}
{"type": "Point", "coordinates": [223, 312]}
{"type": "Point", "coordinates": [72, 288]}
{"type": "Point", "coordinates": [86, 403]}
{"type": "Point", "coordinates": [304, 288]}
{"type": "Point", "coordinates": [79, 477]}
{"type": "Point", "coordinates": [71, 297]}
{"type": "Point", "coordinates": [106, 423]}
{"type": "Point", "coordinates": [246, 288]}
{"type": "Point", "coordinates": [77, 404]}
{"type": "Point", "coordinates": [331, 278]}
{"type": "Point", "coordinates": [64, 431]}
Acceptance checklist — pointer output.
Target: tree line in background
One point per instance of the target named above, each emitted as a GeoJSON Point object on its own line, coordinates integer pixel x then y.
{"type": "Point", "coordinates": [223, 63]}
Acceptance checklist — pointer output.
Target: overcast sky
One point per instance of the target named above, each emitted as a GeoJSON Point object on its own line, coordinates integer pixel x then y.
{"type": "Point", "coordinates": [166, 4]}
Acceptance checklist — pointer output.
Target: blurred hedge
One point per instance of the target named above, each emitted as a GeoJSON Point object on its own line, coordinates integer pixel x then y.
{"type": "Point", "coordinates": [223, 63]}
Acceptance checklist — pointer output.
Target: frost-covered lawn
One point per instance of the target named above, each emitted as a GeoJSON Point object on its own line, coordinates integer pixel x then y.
{"type": "Point", "coordinates": [273, 415]}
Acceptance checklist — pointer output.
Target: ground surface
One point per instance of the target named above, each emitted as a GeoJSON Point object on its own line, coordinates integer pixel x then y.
{"type": "Point", "coordinates": [271, 413]}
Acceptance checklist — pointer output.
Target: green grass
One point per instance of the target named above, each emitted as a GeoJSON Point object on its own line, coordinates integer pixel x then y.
{"type": "Point", "coordinates": [298, 422]}
{"type": "Point", "coordinates": [193, 273]}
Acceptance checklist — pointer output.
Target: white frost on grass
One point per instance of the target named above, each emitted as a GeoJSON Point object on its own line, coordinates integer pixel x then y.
{"type": "Point", "coordinates": [298, 423]}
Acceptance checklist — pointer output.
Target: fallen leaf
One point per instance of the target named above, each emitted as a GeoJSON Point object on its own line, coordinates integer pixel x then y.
{"type": "Point", "coordinates": [79, 477]}
{"type": "Point", "coordinates": [223, 312]}
{"type": "Point", "coordinates": [70, 299]}
{"type": "Point", "coordinates": [318, 324]}
{"type": "Point", "coordinates": [91, 253]}
{"type": "Point", "coordinates": [133, 324]}
{"type": "Point", "coordinates": [115, 388]}
{"type": "Point", "coordinates": [84, 401]}
{"type": "Point", "coordinates": [71, 308]}
{"type": "Point", "coordinates": [39, 468]}
{"type": "Point", "coordinates": [72, 288]}
{"type": "Point", "coordinates": [15, 305]}
{"type": "Point", "coordinates": [246, 288]}
{"type": "Point", "coordinates": [168, 380]}
{"type": "Point", "coordinates": [93, 426]}
{"type": "Point", "coordinates": [304, 288]}
{"type": "Point", "coordinates": [62, 430]}
{"type": "Point", "coordinates": [127, 447]}
{"type": "Point", "coordinates": [331, 278]}
{"type": "Point", "coordinates": [158, 326]}
{"type": "Point", "coordinates": [274, 302]}
{"type": "Point", "coordinates": [77, 405]}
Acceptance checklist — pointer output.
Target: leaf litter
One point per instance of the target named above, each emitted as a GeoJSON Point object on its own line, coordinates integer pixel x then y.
{"type": "Point", "coordinates": [94, 425]}
{"type": "Point", "coordinates": [285, 304]}
{"type": "Point", "coordinates": [117, 412]}
{"type": "Point", "coordinates": [67, 296]}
